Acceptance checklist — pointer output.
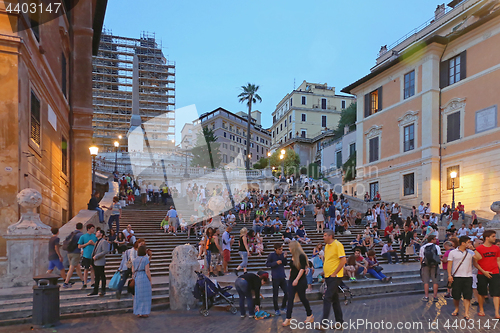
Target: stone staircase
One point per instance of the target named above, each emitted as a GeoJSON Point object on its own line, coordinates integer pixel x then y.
{"type": "Point", "coordinates": [16, 306]}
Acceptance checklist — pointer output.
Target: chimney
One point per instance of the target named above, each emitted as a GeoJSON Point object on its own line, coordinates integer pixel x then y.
{"type": "Point", "coordinates": [383, 50]}
{"type": "Point", "coordinates": [439, 12]}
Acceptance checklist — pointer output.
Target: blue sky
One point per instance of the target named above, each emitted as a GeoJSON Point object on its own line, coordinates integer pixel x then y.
{"type": "Point", "coordinates": [218, 46]}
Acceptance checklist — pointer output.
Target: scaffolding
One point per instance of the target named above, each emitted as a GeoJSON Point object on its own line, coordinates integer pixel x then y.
{"type": "Point", "coordinates": [112, 91]}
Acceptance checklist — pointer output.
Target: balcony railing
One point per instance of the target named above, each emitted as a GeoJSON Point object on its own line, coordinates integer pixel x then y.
{"type": "Point", "coordinates": [328, 107]}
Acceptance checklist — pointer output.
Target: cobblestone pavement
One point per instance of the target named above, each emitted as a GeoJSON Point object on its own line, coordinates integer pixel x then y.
{"type": "Point", "coordinates": [385, 314]}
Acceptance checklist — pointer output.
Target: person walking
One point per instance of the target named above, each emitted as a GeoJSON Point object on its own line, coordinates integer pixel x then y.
{"type": "Point", "coordinates": [277, 262]}
{"type": "Point", "coordinates": [87, 243]}
{"type": "Point", "coordinates": [245, 285]}
{"type": "Point", "coordinates": [74, 255]}
{"type": "Point", "coordinates": [298, 282]}
{"type": "Point", "coordinates": [243, 250]}
{"type": "Point", "coordinates": [406, 238]}
{"type": "Point", "coordinates": [101, 249]}
{"type": "Point", "coordinates": [55, 258]}
{"type": "Point", "coordinates": [430, 257]}
{"type": "Point", "coordinates": [143, 283]}
{"type": "Point", "coordinates": [488, 259]}
{"type": "Point", "coordinates": [460, 274]}
{"type": "Point", "coordinates": [116, 214]}
{"type": "Point", "coordinates": [333, 268]}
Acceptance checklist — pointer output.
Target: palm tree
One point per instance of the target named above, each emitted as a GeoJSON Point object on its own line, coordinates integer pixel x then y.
{"type": "Point", "coordinates": [249, 94]}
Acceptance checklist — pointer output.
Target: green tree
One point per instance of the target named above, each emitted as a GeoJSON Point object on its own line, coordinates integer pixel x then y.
{"type": "Point", "coordinates": [349, 168]}
{"type": "Point", "coordinates": [206, 152]}
{"type": "Point", "coordinates": [261, 164]}
{"type": "Point", "coordinates": [347, 118]}
{"type": "Point", "coordinates": [291, 161]}
{"type": "Point", "coordinates": [249, 95]}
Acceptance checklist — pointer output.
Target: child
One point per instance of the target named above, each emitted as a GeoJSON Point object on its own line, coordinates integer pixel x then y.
{"type": "Point", "coordinates": [164, 224]}
{"type": "Point", "coordinates": [350, 268]}
{"type": "Point", "coordinates": [287, 236]}
{"type": "Point", "coordinates": [309, 276]}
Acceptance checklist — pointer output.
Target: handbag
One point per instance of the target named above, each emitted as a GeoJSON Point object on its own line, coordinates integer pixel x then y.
{"type": "Point", "coordinates": [131, 283]}
{"type": "Point", "coordinates": [317, 262]}
{"type": "Point", "coordinates": [449, 285]}
{"type": "Point", "coordinates": [409, 251]}
{"type": "Point", "coordinates": [115, 281]}
{"type": "Point", "coordinates": [378, 269]}
{"type": "Point", "coordinates": [129, 261]}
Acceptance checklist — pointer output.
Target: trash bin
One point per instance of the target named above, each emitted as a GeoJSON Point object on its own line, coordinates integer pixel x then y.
{"type": "Point", "coordinates": [46, 300]}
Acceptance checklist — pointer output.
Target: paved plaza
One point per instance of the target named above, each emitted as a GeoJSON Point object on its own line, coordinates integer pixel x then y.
{"type": "Point", "coordinates": [395, 311]}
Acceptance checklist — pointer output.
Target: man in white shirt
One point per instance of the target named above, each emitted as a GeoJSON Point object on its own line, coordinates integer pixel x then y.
{"type": "Point", "coordinates": [227, 242]}
{"type": "Point", "coordinates": [421, 209]}
{"type": "Point", "coordinates": [433, 219]}
{"type": "Point", "coordinates": [463, 231]}
{"type": "Point", "coordinates": [430, 260]}
{"type": "Point", "coordinates": [129, 235]}
{"type": "Point", "coordinates": [480, 230]}
{"type": "Point", "coordinates": [202, 195]}
{"type": "Point", "coordinates": [230, 218]}
{"type": "Point", "coordinates": [460, 263]}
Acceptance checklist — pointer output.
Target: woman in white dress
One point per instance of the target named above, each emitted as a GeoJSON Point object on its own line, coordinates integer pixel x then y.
{"type": "Point", "coordinates": [320, 218]}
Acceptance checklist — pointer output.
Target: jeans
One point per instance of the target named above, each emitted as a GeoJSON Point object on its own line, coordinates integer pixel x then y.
{"type": "Point", "coordinates": [244, 292]}
{"type": "Point", "coordinates": [244, 258]}
{"type": "Point", "coordinates": [376, 275]}
{"type": "Point", "coordinates": [307, 194]}
{"type": "Point", "coordinates": [300, 289]}
{"type": "Point", "coordinates": [257, 228]}
{"type": "Point", "coordinates": [389, 255]}
{"type": "Point", "coordinates": [277, 284]}
{"type": "Point", "coordinates": [268, 230]}
{"type": "Point", "coordinates": [100, 275]}
{"type": "Point", "coordinates": [101, 214]}
{"type": "Point", "coordinates": [115, 218]}
{"type": "Point", "coordinates": [309, 276]}
{"type": "Point", "coordinates": [332, 224]}
{"type": "Point", "coordinates": [124, 276]}
{"type": "Point", "coordinates": [209, 258]}
{"type": "Point", "coordinates": [273, 210]}
{"type": "Point", "coordinates": [332, 299]}
{"type": "Point", "coordinates": [462, 214]}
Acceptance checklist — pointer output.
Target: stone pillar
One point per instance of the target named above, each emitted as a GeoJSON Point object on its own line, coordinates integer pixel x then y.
{"type": "Point", "coordinates": [27, 243]}
{"type": "Point", "coordinates": [182, 278]}
{"type": "Point", "coordinates": [81, 106]}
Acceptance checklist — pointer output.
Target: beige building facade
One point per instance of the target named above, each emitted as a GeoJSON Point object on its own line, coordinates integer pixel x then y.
{"type": "Point", "coordinates": [306, 112]}
{"type": "Point", "coordinates": [430, 107]}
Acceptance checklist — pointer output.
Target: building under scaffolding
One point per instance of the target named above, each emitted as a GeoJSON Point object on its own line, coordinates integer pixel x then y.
{"type": "Point", "coordinates": [112, 91]}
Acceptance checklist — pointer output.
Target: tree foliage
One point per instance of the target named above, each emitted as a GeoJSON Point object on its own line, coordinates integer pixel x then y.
{"type": "Point", "coordinates": [261, 164]}
{"type": "Point", "coordinates": [347, 118]}
{"type": "Point", "coordinates": [349, 169]}
{"type": "Point", "coordinates": [292, 161]}
{"type": "Point", "coordinates": [250, 96]}
{"type": "Point", "coordinates": [206, 152]}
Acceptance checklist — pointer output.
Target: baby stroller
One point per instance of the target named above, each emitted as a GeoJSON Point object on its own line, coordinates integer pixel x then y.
{"type": "Point", "coordinates": [343, 290]}
{"type": "Point", "coordinates": [211, 293]}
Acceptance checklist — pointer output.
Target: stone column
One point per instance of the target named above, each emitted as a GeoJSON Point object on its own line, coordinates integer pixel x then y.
{"type": "Point", "coordinates": [27, 243]}
{"type": "Point", "coordinates": [182, 278]}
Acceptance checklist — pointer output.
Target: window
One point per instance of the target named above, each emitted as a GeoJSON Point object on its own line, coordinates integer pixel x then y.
{"type": "Point", "coordinates": [285, 122]}
{"type": "Point", "coordinates": [453, 70]}
{"type": "Point", "coordinates": [409, 84]}
{"type": "Point", "coordinates": [64, 151]}
{"type": "Point", "coordinates": [64, 216]}
{"type": "Point", "coordinates": [373, 102]}
{"type": "Point", "coordinates": [323, 121]}
{"type": "Point", "coordinates": [373, 189]}
{"type": "Point", "coordinates": [224, 134]}
{"type": "Point", "coordinates": [453, 127]}
{"type": "Point", "coordinates": [303, 133]}
{"type": "Point", "coordinates": [303, 100]}
{"type": "Point", "coordinates": [291, 101]}
{"type": "Point", "coordinates": [409, 137]}
{"type": "Point", "coordinates": [374, 149]}
{"type": "Point", "coordinates": [290, 135]}
{"type": "Point", "coordinates": [35, 119]}
{"type": "Point", "coordinates": [231, 147]}
{"type": "Point", "coordinates": [343, 104]}
{"type": "Point", "coordinates": [281, 127]}
{"type": "Point", "coordinates": [257, 157]}
{"type": "Point", "coordinates": [339, 159]}
{"type": "Point", "coordinates": [303, 117]}
{"type": "Point", "coordinates": [290, 119]}
{"type": "Point", "coordinates": [273, 134]}
{"type": "Point", "coordinates": [323, 103]}
{"type": "Point", "coordinates": [409, 184]}
{"type": "Point", "coordinates": [224, 158]}
{"type": "Point", "coordinates": [274, 119]}
{"type": "Point", "coordinates": [232, 159]}
{"type": "Point", "coordinates": [64, 85]}
{"type": "Point", "coordinates": [352, 149]}
{"type": "Point", "coordinates": [238, 161]}
{"type": "Point", "coordinates": [239, 150]}
{"type": "Point", "coordinates": [450, 182]}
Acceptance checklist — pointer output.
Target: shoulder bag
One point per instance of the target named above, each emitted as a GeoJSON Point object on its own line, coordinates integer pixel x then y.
{"type": "Point", "coordinates": [131, 283]}
{"type": "Point", "coordinates": [449, 285]}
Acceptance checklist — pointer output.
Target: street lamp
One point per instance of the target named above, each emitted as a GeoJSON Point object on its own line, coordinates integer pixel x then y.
{"type": "Point", "coordinates": [282, 158]}
{"type": "Point", "coordinates": [120, 137]}
{"type": "Point", "coordinates": [268, 159]}
{"type": "Point", "coordinates": [453, 175]}
{"type": "Point", "coordinates": [117, 144]}
{"type": "Point", "coordinates": [186, 174]}
{"type": "Point", "coordinates": [283, 151]}
{"type": "Point", "coordinates": [93, 152]}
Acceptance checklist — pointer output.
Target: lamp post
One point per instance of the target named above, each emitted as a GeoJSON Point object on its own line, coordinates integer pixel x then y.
{"type": "Point", "coordinates": [93, 152]}
{"type": "Point", "coordinates": [453, 175]}
{"type": "Point", "coordinates": [117, 144]}
{"type": "Point", "coordinates": [282, 158]}
{"type": "Point", "coordinates": [268, 159]}
{"type": "Point", "coordinates": [249, 161]}
{"type": "Point", "coordinates": [186, 174]}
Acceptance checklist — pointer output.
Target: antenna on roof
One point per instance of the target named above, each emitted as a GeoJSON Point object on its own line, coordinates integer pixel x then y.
{"type": "Point", "coordinates": [293, 83]}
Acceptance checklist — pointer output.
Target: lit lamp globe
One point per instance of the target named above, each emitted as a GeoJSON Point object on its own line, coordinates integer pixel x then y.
{"type": "Point", "coordinates": [283, 151]}
{"type": "Point", "coordinates": [94, 151]}
{"type": "Point", "coordinates": [117, 144]}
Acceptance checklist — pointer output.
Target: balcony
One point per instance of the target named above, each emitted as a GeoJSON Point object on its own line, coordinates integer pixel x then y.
{"type": "Point", "coordinates": [328, 107]}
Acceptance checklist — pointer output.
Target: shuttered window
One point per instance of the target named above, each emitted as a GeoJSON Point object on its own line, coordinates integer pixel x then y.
{"type": "Point", "coordinates": [323, 121]}
{"type": "Point", "coordinates": [35, 119]}
{"type": "Point", "coordinates": [453, 70]}
{"type": "Point", "coordinates": [373, 102]}
{"type": "Point", "coordinates": [409, 184]}
{"type": "Point", "coordinates": [339, 159]}
{"type": "Point", "coordinates": [64, 153]}
{"type": "Point", "coordinates": [409, 85]}
{"type": "Point", "coordinates": [453, 127]}
{"type": "Point", "coordinates": [409, 137]}
{"type": "Point", "coordinates": [373, 149]}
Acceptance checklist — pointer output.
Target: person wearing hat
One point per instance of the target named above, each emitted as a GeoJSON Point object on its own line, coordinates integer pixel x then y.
{"type": "Point", "coordinates": [245, 284]}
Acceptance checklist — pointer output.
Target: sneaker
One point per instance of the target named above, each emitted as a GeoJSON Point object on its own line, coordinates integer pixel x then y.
{"type": "Point", "coordinates": [435, 299]}
{"type": "Point", "coordinates": [283, 310]}
{"type": "Point", "coordinates": [84, 286]}
{"type": "Point", "coordinates": [102, 294]}
{"type": "Point", "coordinates": [354, 279]}
{"type": "Point", "coordinates": [67, 285]}
{"type": "Point", "coordinates": [236, 272]}
{"type": "Point", "coordinates": [221, 274]}
{"type": "Point", "coordinates": [277, 313]}
{"type": "Point", "coordinates": [243, 316]}
{"type": "Point", "coordinates": [474, 303]}
{"type": "Point", "coordinates": [250, 316]}
{"type": "Point", "coordinates": [425, 299]}
{"type": "Point", "coordinates": [92, 294]}
{"type": "Point", "coordinates": [447, 296]}
{"type": "Point", "coordinates": [212, 275]}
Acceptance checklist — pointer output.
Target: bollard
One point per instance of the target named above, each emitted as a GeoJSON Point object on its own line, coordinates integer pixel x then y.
{"type": "Point", "coordinates": [46, 301]}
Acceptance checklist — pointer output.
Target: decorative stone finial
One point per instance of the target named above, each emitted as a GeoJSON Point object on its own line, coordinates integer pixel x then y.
{"type": "Point", "coordinates": [496, 208]}
{"type": "Point", "coordinates": [29, 198]}
{"type": "Point", "coordinates": [30, 223]}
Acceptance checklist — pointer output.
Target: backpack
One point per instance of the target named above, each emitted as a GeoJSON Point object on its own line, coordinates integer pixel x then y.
{"type": "Point", "coordinates": [70, 244]}
{"type": "Point", "coordinates": [431, 257]}
{"type": "Point", "coordinates": [242, 207]}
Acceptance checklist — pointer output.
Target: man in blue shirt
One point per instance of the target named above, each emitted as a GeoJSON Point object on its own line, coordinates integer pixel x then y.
{"type": "Point", "coordinates": [277, 225]}
{"type": "Point", "coordinates": [172, 219]}
{"type": "Point", "coordinates": [268, 226]}
{"type": "Point", "coordinates": [257, 225]}
{"type": "Point", "coordinates": [87, 242]}
{"type": "Point", "coordinates": [277, 262]}
{"type": "Point", "coordinates": [331, 214]}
